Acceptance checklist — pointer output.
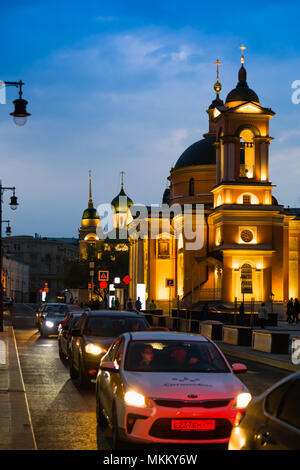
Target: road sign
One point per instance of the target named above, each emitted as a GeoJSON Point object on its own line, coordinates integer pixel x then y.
{"type": "Point", "coordinates": [103, 284]}
{"type": "Point", "coordinates": [103, 275]}
{"type": "Point", "coordinates": [127, 279]}
{"type": "Point", "coordinates": [170, 282]}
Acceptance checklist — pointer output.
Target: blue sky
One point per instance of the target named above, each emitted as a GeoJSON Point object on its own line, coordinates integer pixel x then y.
{"type": "Point", "coordinates": [124, 85]}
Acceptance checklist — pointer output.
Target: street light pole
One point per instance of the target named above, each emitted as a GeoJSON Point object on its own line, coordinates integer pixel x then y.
{"type": "Point", "coordinates": [13, 204]}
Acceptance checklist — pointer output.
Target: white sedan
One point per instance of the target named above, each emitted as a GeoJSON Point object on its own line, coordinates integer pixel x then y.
{"type": "Point", "coordinates": [167, 387]}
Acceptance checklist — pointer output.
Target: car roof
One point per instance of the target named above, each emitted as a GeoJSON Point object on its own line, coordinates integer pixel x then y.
{"type": "Point", "coordinates": [165, 336]}
{"type": "Point", "coordinates": [113, 313]}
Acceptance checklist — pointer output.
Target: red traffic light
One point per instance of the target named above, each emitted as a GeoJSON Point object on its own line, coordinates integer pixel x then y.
{"type": "Point", "coordinates": [103, 284]}
{"type": "Point", "coordinates": [89, 286]}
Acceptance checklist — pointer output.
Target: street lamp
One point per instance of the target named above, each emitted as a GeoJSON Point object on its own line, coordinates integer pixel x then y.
{"type": "Point", "coordinates": [20, 113]}
{"type": "Point", "coordinates": [13, 204]}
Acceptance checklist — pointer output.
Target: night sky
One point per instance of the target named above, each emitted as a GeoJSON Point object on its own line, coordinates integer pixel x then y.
{"type": "Point", "coordinates": [124, 85]}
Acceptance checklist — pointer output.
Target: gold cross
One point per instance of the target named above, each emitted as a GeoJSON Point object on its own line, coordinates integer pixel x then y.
{"type": "Point", "coordinates": [217, 63]}
{"type": "Point", "coordinates": [242, 56]}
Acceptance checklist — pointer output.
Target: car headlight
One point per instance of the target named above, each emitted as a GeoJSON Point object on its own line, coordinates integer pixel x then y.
{"type": "Point", "coordinates": [94, 349]}
{"type": "Point", "coordinates": [242, 400]}
{"type": "Point", "coordinates": [133, 398]}
{"type": "Point", "coordinates": [49, 324]}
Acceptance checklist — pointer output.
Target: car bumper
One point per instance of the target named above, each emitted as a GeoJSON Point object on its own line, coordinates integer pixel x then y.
{"type": "Point", "coordinates": [153, 425]}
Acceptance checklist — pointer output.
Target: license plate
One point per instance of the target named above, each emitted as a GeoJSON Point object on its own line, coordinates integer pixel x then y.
{"type": "Point", "coordinates": [193, 424]}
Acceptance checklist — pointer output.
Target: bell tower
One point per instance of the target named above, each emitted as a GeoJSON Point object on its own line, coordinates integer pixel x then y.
{"type": "Point", "coordinates": [242, 146]}
{"type": "Point", "coordinates": [247, 226]}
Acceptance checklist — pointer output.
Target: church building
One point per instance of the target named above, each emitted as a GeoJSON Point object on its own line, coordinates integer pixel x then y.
{"type": "Point", "coordinates": [251, 242]}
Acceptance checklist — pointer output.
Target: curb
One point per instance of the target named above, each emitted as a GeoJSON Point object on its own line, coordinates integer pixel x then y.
{"type": "Point", "coordinates": [261, 359]}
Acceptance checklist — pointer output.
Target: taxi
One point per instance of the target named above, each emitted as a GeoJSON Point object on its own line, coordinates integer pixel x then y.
{"type": "Point", "coordinates": [168, 387]}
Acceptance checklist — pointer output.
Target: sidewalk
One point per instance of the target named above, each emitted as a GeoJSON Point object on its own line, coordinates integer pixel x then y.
{"type": "Point", "coordinates": [15, 424]}
{"type": "Point", "coordinates": [282, 361]}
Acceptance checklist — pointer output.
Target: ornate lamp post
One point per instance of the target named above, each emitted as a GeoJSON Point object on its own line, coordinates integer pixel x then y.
{"type": "Point", "coordinates": [13, 205]}
{"type": "Point", "coordinates": [20, 113]}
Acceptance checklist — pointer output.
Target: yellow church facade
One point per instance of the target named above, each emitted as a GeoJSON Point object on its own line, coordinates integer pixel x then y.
{"type": "Point", "coordinates": [250, 245]}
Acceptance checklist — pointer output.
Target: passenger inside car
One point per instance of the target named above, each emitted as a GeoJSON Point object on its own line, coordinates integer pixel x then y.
{"type": "Point", "coordinates": [147, 355]}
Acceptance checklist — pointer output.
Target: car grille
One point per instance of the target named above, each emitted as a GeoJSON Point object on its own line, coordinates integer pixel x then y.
{"type": "Point", "coordinates": [192, 404]}
{"type": "Point", "coordinates": [161, 429]}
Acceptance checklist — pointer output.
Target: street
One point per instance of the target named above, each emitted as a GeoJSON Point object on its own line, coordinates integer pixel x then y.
{"type": "Point", "coordinates": [63, 417]}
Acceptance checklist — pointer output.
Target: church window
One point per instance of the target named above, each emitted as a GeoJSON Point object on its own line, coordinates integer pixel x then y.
{"type": "Point", "coordinates": [246, 279]}
{"type": "Point", "coordinates": [163, 248]}
{"type": "Point", "coordinates": [192, 187]}
{"type": "Point", "coordinates": [246, 154]}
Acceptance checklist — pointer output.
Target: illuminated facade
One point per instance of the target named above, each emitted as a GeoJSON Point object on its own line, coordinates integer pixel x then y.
{"type": "Point", "coordinates": [251, 243]}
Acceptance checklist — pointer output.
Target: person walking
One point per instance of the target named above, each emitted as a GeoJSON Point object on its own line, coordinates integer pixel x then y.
{"type": "Point", "coordinates": [289, 310]}
{"type": "Point", "coordinates": [152, 305]}
{"type": "Point", "coordinates": [129, 304]}
{"type": "Point", "coordinates": [296, 311]}
{"type": "Point", "coordinates": [117, 303]}
{"type": "Point", "coordinates": [138, 304]}
{"type": "Point", "coordinates": [262, 315]}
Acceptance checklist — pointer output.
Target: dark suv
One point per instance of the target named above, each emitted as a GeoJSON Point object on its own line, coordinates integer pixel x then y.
{"type": "Point", "coordinates": [95, 331]}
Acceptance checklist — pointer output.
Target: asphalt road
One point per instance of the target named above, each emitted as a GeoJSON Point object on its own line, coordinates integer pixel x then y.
{"type": "Point", "coordinates": [63, 416]}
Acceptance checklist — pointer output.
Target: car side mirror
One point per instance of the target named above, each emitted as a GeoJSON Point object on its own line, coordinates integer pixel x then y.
{"type": "Point", "coordinates": [108, 365]}
{"type": "Point", "coordinates": [239, 368]}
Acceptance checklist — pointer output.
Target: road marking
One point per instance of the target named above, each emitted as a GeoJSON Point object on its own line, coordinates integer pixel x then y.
{"type": "Point", "coordinates": [25, 393]}
{"type": "Point", "coordinates": [2, 353]}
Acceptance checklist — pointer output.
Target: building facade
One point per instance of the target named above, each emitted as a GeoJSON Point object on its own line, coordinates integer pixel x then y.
{"type": "Point", "coordinates": [45, 257]}
{"type": "Point", "coordinates": [250, 247]}
{"type": "Point", "coordinates": [15, 278]}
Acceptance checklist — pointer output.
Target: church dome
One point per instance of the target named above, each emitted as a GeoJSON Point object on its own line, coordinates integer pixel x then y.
{"type": "Point", "coordinates": [242, 92]}
{"type": "Point", "coordinates": [202, 152]}
{"type": "Point", "coordinates": [117, 203]}
{"type": "Point", "coordinates": [90, 213]}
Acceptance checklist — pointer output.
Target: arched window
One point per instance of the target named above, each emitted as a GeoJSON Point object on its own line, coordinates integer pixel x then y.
{"type": "Point", "coordinates": [246, 279]}
{"type": "Point", "coordinates": [246, 154]}
{"type": "Point", "coordinates": [192, 187]}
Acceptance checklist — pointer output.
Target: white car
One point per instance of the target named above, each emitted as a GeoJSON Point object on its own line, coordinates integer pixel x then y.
{"type": "Point", "coordinates": [167, 387]}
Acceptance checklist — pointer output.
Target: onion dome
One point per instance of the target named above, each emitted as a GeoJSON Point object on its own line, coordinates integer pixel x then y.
{"type": "Point", "coordinates": [166, 196]}
{"type": "Point", "coordinates": [121, 204]}
{"type": "Point", "coordinates": [242, 92]}
{"type": "Point", "coordinates": [202, 152]}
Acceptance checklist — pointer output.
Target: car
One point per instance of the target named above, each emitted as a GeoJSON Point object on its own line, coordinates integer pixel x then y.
{"type": "Point", "coordinates": [158, 387]}
{"type": "Point", "coordinates": [49, 318]}
{"type": "Point", "coordinates": [7, 301]}
{"type": "Point", "coordinates": [65, 334]}
{"type": "Point", "coordinates": [272, 420]}
{"type": "Point", "coordinates": [96, 330]}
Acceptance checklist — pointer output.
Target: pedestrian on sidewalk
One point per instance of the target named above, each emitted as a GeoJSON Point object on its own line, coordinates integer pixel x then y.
{"type": "Point", "coordinates": [289, 310]}
{"type": "Point", "coordinates": [296, 311]}
{"type": "Point", "coordinates": [138, 304]}
{"type": "Point", "coordinates": [242, 313]}
{"type": "Point", "coordinates": [262, 315]}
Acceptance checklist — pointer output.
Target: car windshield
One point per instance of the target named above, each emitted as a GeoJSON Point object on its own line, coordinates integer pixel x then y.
{"type": "Point", "coordinates": [113, 326]}
{"type": "Point", "coordinates": [57, 310]}
{"type": "Point", "coordinates": [174, 356]}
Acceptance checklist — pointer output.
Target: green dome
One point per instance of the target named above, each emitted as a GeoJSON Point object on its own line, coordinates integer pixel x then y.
{"type": "Point", "coordinates": [90, 213]}
{"type": "Point", "coordinates": [116, 201]}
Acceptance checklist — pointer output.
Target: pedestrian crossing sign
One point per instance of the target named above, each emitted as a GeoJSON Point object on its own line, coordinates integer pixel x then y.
{"type": "Point", "coordinates": [103, 275]}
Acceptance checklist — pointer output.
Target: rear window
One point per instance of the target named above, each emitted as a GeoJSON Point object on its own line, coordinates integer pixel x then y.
{"type": "Point", "coordinates": [113, 326]}
{"type": "Point", "coordinates": [57, 311]}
